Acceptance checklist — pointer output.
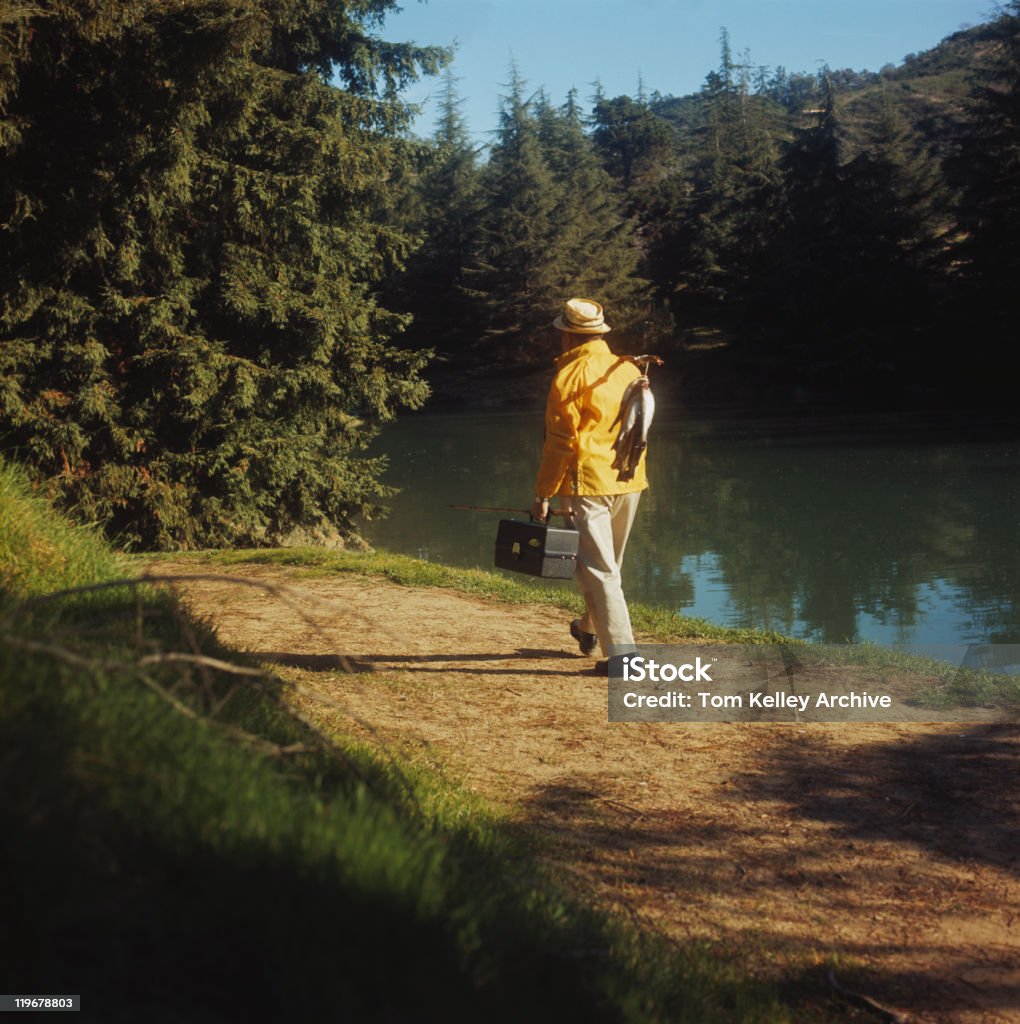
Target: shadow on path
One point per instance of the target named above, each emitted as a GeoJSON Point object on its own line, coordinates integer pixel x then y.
{"type": "Point", "coordinates": [955, 794]}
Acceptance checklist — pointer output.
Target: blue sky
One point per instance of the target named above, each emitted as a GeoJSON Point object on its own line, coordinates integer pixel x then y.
{"type": "Point", "coordinates": [671, 44]}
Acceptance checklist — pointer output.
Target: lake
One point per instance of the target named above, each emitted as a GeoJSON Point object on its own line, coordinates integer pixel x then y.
{"type": "Point", "coordinates": [830, 530]}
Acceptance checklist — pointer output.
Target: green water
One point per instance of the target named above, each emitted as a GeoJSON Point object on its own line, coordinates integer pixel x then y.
{"type": "Point", "coordinates": [838, 532]}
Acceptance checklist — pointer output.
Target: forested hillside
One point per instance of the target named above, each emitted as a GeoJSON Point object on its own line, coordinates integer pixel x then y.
{"type": "Point", "coordinates": [846, 235]}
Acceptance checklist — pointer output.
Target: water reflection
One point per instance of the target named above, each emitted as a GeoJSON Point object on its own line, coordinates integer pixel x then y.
{"type": "Point", "coordinates": [829, 536]}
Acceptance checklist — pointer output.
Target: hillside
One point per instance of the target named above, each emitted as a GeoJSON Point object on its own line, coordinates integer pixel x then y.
{"type": "Point", "coordinates": [930, 90]}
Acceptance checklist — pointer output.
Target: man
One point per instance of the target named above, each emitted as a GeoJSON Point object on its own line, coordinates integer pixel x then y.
{"type": "Point", "coordinates": [581, 424]}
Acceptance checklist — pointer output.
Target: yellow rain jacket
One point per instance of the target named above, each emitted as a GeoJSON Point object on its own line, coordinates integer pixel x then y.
{"type": "Point", "coordinates": [584, 401]}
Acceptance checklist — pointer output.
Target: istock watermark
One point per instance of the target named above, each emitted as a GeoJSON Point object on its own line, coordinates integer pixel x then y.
{"type": "Point", "coordinates": [815, 683]}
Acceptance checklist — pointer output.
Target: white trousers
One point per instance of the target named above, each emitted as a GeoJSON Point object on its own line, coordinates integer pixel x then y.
{"type": "Point", "coordinates": [603, 524]}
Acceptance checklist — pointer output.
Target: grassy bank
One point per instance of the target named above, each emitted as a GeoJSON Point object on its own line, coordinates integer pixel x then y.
{"type": "Point", "coordinates": [180, 846]}
{"type": "Point", "coordinates": [946, 685]}
{"type": "Point", "coordinates": [658, 624]}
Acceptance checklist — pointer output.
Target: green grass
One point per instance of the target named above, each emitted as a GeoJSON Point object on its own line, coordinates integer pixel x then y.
{"type": "Point", "coordinates": [939, 685]}
{"type": "Point", "coordinates": [956, 687]}
{"type": "Point", "coordinates": [656, 624]}
{"type": "Point", "coordinates": [179, 846]}
{"type": "Point", "coordinates": [39, 551]}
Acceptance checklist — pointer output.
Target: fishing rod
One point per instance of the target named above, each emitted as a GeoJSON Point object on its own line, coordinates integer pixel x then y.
{"type": "Point", "coordinates": [643, 362]}
{"type": "Point", "coordinates": [523, 511]}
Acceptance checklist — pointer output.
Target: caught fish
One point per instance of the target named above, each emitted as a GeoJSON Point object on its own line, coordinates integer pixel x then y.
{"type": "Point", "coordinates": [635, 417]}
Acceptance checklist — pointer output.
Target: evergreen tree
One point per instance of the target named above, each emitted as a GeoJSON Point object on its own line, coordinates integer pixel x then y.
{"type": "Point", "coordinates": [900, 215]}
{"type": "Point", "coordinates": [446, 210]}
{"type": "Point", "coordinates": [193, 220]}
{"type": "Point", "coordinates": [632, 142]}
{"type": "Point", "coordinates": [809, 250]}
{"type": "Point", "coordinates": [989, 166]}
{"type": "Point", "coordinates": [918, 199]}
{"type": "Point", "coordinates": [552, 228]}
{"type": "Point", "coordinates": [709, 223]}
{"type": "Point", "coordinates": [852, 269]}
{"type": "Point", "coordinates": [513, 281]}
{"type": "Point", "coordinates": [595, 246]}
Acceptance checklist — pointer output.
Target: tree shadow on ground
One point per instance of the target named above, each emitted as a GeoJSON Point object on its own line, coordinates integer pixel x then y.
{"type": "Point", "coordinates": [756, 843]}
{"type": "Point", "coordinates": [954, 794]}
{"type": "Point", "coordinates": [445, 663]}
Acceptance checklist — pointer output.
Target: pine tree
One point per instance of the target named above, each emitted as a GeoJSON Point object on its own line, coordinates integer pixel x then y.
{"type": "Point", "coordinates": [446, 211]}
{"type": "Point", "coordinates": [709, 223]}
{"type": "Point", "coordinates": [883, 296]}
{"type": "Point", "coordinates": [989, 164]}
{"type": "Point", "coordinates": [595, 250]}
{"type": "Point", "coordinates": [852, 270]}
{"type": "Point", "coordinates": [809, 252]}
{"type": "Point", "coordinates": [632, 142]}
{"type": "Point", "coordinates": [552, 228]}
{"type": "Point", "coordinates": [513, 279]}
{"type": "Point", "coordinates": [900, 212]}
{"type": "Point", "coordinates": [193, 221]}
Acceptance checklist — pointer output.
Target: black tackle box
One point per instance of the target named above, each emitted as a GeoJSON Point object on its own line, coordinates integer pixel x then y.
{"type": "Point", "coordinates": [536, 548]}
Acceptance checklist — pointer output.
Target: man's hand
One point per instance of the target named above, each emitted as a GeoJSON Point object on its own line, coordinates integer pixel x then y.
{"type": "Point", "coordinates": [540, 509]}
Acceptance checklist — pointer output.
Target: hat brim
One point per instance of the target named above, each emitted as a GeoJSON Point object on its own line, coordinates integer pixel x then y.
{"type": "Point", "coordinates": [561, 325]}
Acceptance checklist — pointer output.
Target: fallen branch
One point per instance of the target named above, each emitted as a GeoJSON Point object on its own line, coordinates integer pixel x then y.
{"type": "Point", "coordinates": [867, 1003]}
{"type": "Point", "coordinates": [229, 667]}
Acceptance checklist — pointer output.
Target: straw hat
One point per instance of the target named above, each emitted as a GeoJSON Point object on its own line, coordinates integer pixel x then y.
{"type": "Point", "coordinates": [581, 316]}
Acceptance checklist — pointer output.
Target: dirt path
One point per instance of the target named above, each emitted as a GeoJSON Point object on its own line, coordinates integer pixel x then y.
{"type": "Point", "coordinates": [894, 847]}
